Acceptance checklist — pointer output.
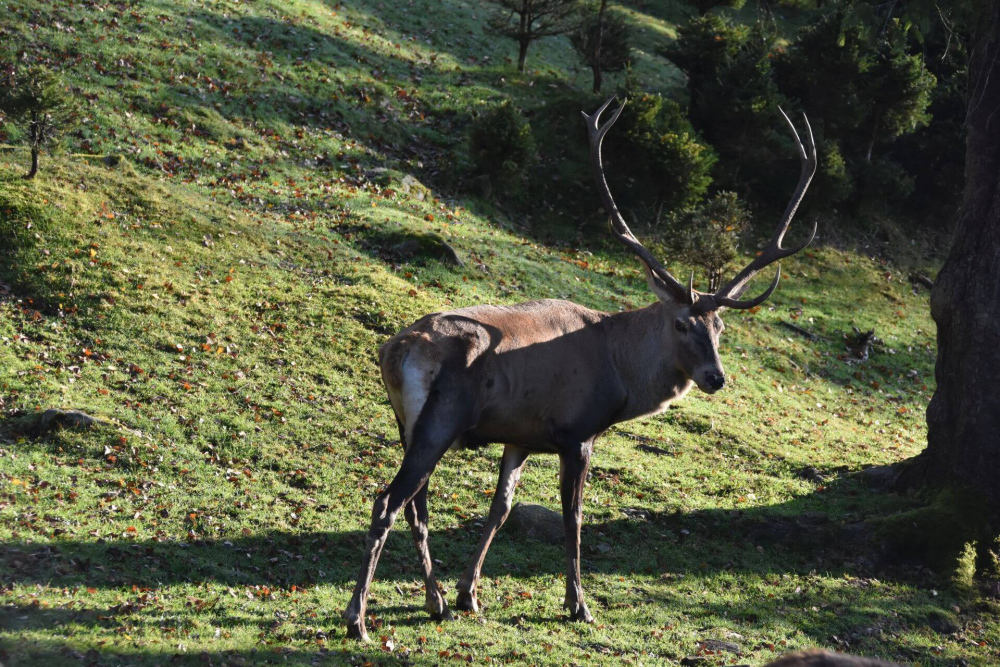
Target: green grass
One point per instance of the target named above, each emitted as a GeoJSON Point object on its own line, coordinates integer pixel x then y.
{"type": "Point", "coordinates": [217, 299]}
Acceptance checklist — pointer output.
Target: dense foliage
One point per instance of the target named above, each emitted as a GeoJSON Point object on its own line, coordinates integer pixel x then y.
{"type": "Point", "coordinates": [708, 235]}
{"type": "Point", "coordinates": [502, 146]}
{"type": "Point", "coordinates": [660, 162]}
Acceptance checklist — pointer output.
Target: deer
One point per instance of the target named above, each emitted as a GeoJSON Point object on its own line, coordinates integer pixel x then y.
{"type": "Point", "coordinates": [548, 377]}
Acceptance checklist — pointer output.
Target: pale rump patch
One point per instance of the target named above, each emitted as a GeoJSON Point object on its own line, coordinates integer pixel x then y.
{"type": "Point", "coordinates": [417, 375]}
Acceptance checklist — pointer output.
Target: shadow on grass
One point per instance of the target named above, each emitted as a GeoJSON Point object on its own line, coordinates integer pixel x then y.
{"type": "Point", "coordinates": [796, 536]}
{"type": "Point", "coordinates": [749, 548]}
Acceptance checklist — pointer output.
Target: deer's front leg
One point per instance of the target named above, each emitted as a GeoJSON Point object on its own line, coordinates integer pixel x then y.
{"type": "Point", "coordinates": [574, 464]}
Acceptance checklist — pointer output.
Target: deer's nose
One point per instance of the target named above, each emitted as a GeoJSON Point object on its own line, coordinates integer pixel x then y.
{"type": "Point", "coordinates": [715, 381]}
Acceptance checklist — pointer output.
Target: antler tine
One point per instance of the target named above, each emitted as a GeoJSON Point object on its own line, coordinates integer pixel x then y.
{"type": "Point", "coordinates": [621, 230]}
{"type": "Point", "coordinates": [729, 295]}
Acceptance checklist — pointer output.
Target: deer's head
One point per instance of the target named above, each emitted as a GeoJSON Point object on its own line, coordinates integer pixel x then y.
{"type": "Point", "coordinates": [692, 321]}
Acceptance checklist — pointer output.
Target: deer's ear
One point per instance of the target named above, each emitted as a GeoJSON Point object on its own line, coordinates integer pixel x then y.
{"type": "Point", "coordinates": [658, 287]}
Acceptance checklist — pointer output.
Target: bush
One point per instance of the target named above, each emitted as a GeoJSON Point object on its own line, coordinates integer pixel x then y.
{"type": "Point", "coordinates": [664, 163]}
{"type": "Point", "coordinates": [883, 188]}
{"type": "Point", "coordinates": [501, 146]}
{"type": "Point", "coordinates": [707, 236]}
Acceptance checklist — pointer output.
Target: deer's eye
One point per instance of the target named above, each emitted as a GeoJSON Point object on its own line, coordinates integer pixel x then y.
{"type": "Point", "coordinates": [680, 326]}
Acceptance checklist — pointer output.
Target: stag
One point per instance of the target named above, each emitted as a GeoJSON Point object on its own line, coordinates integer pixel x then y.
{"type": "Point", "coordinates": [547, 377]}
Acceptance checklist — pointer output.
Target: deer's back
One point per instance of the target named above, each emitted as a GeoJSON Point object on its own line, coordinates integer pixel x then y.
{"type": "Point", "coordinates": [531, 369]}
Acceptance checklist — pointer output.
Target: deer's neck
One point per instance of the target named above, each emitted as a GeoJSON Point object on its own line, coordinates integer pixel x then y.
{"type": "Point", "coordinates": [645, 353]}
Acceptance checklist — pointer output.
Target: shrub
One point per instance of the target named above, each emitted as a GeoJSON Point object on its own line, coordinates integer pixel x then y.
{"type": "Point", "coordinates": [883, 187]}
{"type": "Point", "coordinates": [707, 236]}
{"type": "Point", "coordinates": [502, 146]}
{"type": "Point", "coordinates": [663, 162]}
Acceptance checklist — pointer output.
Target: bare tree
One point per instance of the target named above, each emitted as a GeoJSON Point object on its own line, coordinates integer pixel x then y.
{"type": "Point", "coordinates": [527, 20]}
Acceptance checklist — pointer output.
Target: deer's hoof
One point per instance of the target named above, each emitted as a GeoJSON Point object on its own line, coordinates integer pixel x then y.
{"type": "Point", "coordinates": [580, 614]}
{"type": "Point", "coordinates": [438, 609]}
{"type": "Point", "coordinates": [356, 630]}
{"type": "Point", "coordinates": [467, 602]}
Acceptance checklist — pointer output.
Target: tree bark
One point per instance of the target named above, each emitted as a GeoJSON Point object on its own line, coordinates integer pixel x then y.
{"type": "Point", "coordinates": [963, 439]}
{"type": "Point", "coordinates": [597, 46]}
{"type": "Point", "coordinates": [525, 36]}
{"type": "Point", "coordinates": [522, 54]}
{"type": "Point", "coordinates": [34, 163]}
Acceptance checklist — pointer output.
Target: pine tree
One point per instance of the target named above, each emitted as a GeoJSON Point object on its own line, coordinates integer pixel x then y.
{"type": "Point", "coordinates": [36, 101]}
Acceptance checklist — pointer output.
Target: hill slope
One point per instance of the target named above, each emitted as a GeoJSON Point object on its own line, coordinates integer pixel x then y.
{"type": "Point", "coordinates": [215, 292]}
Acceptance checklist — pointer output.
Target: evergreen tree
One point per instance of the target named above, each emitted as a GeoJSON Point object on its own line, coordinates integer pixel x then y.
{"type": "Point", "coordinates": [527, 20]}
{"type": "Point", "coordinates": [602, 41]}
{"type": "Point", "coordinates": [734, 96]}
{"type": "Point", "coordinates": [34, 100]}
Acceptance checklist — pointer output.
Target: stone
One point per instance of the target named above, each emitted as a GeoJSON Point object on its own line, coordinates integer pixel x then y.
{"type": "Point", "coordinates": [942, 623]}
{"type": "Point", "coordinates": [718, 645]}
{"type": "Point", "coordinates": [537, 522]}
{"type": "Point", "coordinates": [411, 185]}
{"type": "Point", "coordinates": [428, 245]}
{"type": "Point", "coordinates": [51, 419]}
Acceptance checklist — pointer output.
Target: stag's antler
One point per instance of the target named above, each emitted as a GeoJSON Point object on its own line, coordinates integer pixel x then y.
{"type": "Point", "coordinates": [729, 296]}
{"type": "Point", "coordinates": [681, 293]}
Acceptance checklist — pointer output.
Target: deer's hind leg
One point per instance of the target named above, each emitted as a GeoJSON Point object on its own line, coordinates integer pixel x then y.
{"type": "Point", "coordinates": [442, 418]}
{"type": "Point", "coordinates": [416, 516]}
{"type": "Point", "coordinates": [510, 472]}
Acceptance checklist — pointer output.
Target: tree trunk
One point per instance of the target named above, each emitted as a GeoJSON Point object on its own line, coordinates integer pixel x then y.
{"type": "Point", "coordinates": [522, 54]}
{"type": "Point", "coordinates": [34, 163]}
{"type": "Point", "coordinates": [596, 67]}
{"type": "Point", "coordinates": [34, 140]}
{"type": "Point", "coordinates": [963, 439]}
{"type": "Point", "coordinates": [524, 38]}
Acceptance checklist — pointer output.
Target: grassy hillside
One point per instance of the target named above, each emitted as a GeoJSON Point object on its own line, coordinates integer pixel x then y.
{"type": "Point", "coordinates": [209, 270]}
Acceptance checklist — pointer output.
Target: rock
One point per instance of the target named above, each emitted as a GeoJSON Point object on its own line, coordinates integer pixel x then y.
{"type": "Point", "coordinates": [717, 645]}
{"type": "Point", "coordinates": [694, 660]}
{"type": "Point", "coordinates": [112, 160]}
{"type": "Point", "coordinates": [412, 186]}
{"type": "Point", "coordinates": [427, 245]}
{"type": "Point", "coordinates": [537, 522]}
{"type": "Point", "coordinates": [483, 186]}
{"type": "Point", "coordinates": [604, 548]}
{"type": "Point", "coordinates": [812, 474]}
{"type": "Point", "coordinates": [208, 241]}
{"type": "Point", "coordinates": [942, 622]}
{"type": "Point", "coordinates": [636, 513]}
{"type": "Point", "coordinates": [51, 419]}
